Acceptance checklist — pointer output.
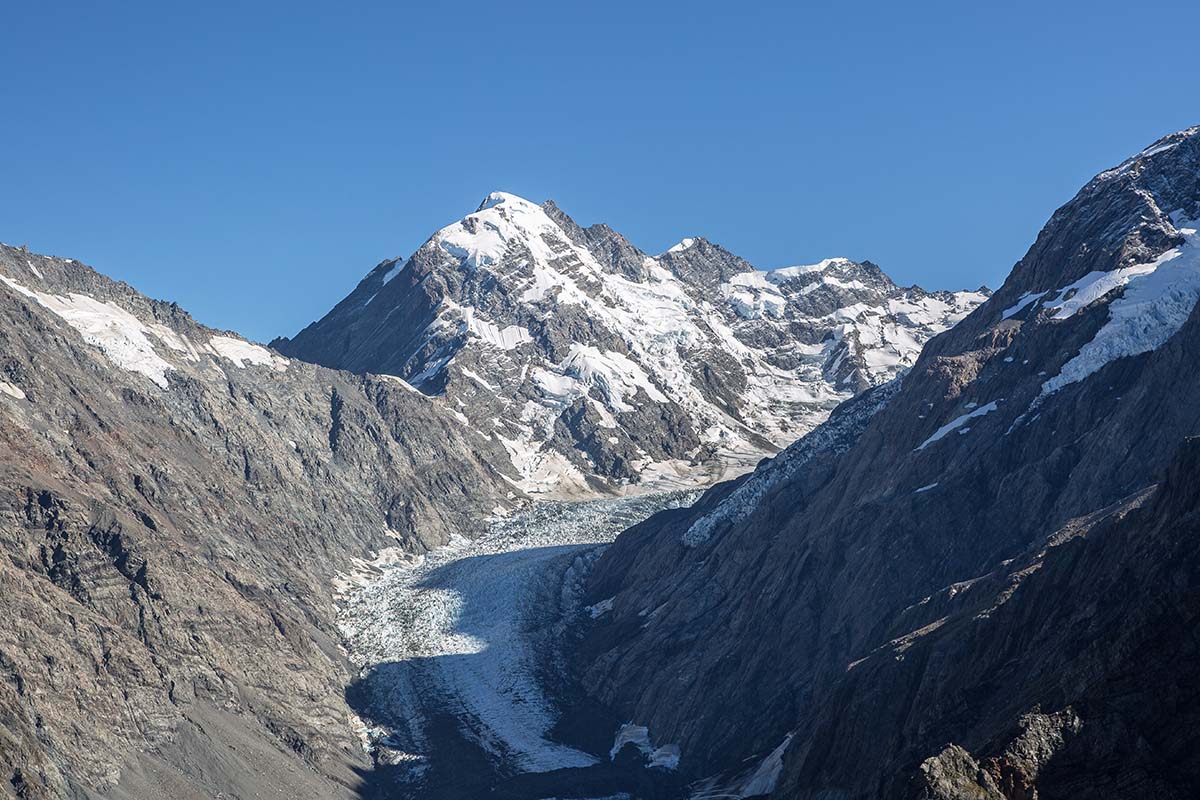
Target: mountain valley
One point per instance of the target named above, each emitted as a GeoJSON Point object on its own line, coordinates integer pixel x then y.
{"type": "Point", "coordinates": [534, 514]}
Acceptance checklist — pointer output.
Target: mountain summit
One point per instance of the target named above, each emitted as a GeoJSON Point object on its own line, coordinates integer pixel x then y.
{"type": "Point", "coordinates": [597, 365]}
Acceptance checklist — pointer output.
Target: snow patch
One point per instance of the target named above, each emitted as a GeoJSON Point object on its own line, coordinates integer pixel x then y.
{"type": "Point", "coordinates": [121, 336]}
{"type": "Point", "coordinates": [392, 272]}
{"type": "Point", "coordinates": [405, 385]}
{"type": "Point", "coordinates": [957, 423]}
{"type": "Point", "coordinates": [1020, 305]}
{"type": "Point", "coordinates": [600, 609]}
{"type": "Point", "coordinates": [11, 390]}
{"type": "Point", "coordinates": [665, 757]}
{"type": "Point", "coordinates": [787, 273]}
{"type": "Point", "coordinates": [479, 380]}
{"type": "Point", "coordinates": [243, 353]}
{"type": "Point", "coordinates": [173, 340]}
{"type": "Point", "coordinates": [764, 779]}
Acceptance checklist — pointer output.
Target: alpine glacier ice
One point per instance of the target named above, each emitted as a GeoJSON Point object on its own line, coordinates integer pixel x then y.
{"type": "Point", "coordinates": [607, 368]}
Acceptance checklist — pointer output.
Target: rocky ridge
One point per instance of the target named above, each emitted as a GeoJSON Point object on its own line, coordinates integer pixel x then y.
{"type": "Point", "coordinates": [178, 510]}
{"type": "Point", "coordinates": [599, 367]}
{"type": "Point", "coordinates": [973, 582]}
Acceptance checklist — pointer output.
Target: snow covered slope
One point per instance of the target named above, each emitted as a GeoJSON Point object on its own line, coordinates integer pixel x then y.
{"type": "Point", "coordinates": [597, 365]}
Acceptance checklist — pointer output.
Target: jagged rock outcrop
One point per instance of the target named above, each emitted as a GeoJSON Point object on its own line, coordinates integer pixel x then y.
{"type": "Point", "coordinates": [598, 366]}
{"type": "Point", "coordinates": [178, 508]}
{"type": "Point", "coordinates": [975, 582]}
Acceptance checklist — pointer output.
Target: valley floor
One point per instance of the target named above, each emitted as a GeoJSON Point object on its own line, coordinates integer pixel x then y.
{"type": "Point", "coordinates": [461, 688]}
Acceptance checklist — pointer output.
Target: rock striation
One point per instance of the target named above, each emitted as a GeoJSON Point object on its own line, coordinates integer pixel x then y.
{"type": "Point", "coordinates": [179, 509]}
{"type": "Point", "coordinates": [976, 581]}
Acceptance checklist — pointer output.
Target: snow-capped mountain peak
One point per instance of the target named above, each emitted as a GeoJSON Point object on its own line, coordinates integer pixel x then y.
{"type": "Point", "coordinates": [499, 198]}
{"type": "Point", "coordinates": [596, 364]}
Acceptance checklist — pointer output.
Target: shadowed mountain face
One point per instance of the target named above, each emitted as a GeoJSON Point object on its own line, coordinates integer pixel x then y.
{"type": "Point", "coordinates": [464, 688]}
{"type": "Point", "coordinates": [178, 509]}
{"type": "Point", "coordinates": [995, 551]}
{"type": "Point", "coordinates": [597, 365]}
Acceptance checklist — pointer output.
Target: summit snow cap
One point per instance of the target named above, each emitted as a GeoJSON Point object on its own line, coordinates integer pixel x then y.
{"type": "Point", "coordinates": [596, 364]}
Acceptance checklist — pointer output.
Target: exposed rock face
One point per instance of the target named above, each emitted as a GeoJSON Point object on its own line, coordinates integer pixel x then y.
{"type": "Point", "coordinates": [597, 365]}
{"type": "Point", "coordinates": [177, 509]}
{"type": "Point", "coordinates": [977, 582]}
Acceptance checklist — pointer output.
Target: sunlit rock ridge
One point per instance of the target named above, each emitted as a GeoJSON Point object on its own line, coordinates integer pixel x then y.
{"type": "Point", "coordinates": [598, 366]}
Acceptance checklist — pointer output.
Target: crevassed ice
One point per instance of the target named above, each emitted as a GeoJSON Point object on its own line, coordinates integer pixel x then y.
{"type": "Point", "coordinates": [1158, 298]}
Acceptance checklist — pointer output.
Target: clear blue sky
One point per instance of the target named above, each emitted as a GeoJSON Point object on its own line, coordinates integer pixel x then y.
{"type": "Point", "coordinates": [253, 162]}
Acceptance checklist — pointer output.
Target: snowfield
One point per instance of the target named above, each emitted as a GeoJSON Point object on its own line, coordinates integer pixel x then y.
{"type": "Point", "coordinates": [460, 633]}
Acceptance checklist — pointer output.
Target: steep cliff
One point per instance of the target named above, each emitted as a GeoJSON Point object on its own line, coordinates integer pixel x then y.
{"type": "Point", "coordinates": [975, 553]}
{"type": "Point", "coordinates": [178, 509]}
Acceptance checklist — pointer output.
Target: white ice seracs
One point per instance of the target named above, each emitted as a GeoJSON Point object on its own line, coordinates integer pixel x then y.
{"type": "Point", "coordinates": [1158, 298]}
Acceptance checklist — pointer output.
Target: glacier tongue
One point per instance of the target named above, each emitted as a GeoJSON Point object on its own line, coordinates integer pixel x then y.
{"type": "Point", "coordinates": [450, 632]}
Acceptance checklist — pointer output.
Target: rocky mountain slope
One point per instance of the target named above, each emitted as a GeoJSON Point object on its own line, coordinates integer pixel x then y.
{"type": "Point", "coordinates": [977, 581]}
{"type": "Point", "coordinates": [178, 509]}
{"type": "Point", "coordinates": [598, 366]}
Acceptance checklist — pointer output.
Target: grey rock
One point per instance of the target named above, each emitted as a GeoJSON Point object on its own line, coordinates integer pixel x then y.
{"type": "Point", "coordinates": [174, 524]}
{"type": "Point", "coordinates": [966, 559]}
